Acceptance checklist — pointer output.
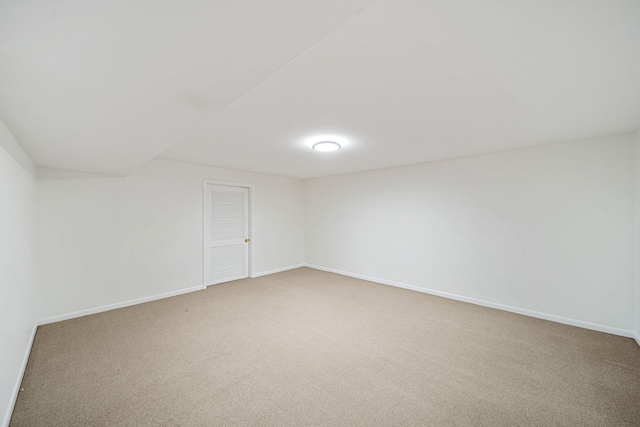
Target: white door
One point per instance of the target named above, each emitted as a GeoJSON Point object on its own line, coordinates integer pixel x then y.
{"type": "Point", "coordinates": [226, 228]}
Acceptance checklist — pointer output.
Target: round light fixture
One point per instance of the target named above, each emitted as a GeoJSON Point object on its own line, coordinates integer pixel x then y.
{"type": "Point", "coordinates": [326, 146]}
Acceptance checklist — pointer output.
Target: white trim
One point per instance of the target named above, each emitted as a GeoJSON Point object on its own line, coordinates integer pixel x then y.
{"type": "Point", "coordinates": [636, 246]}
{"type": "Point", "coordinates": [114, 306]}
{"type": "Point", "coordinates": [16, 388]}
{"type": "Point", "coordinates": [247, 185]}
{"type": "Point", "coordinates": [277, 270]}
{"type": "Point", "coordinates": [523, 311]}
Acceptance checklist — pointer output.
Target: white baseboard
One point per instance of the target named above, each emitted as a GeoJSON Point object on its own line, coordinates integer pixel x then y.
{"type": "Point", "coordinates": [16, 388]}
{"type": "Point", "coordinates": [523, 311]}
{"type": "Point", "coordinates": [114, 306]}
{"type": "Point", "coordinates": [277, 270]}
{"type": "Point", "coordinates": [108, 307]}
{"type": "Point", "coordinates": [636, 336]}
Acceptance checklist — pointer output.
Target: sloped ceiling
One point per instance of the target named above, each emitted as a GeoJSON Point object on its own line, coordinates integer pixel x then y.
{"type": "Point", "coordinates": [106, 86]}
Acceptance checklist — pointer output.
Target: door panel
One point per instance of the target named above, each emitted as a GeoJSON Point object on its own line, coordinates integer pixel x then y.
{"type": "Point", "coordinates": [228, 263]}
{"type": "Point", "coordinates": [226, 233]}
{"type": "Point", "coordinates": [227, 216]}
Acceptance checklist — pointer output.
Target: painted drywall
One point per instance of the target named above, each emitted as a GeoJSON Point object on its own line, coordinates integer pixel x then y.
{"type": "Point", "coordinates": [548, 230]}
{"type": "Point", "coordinates": [17, 266]}
{"type": "Point", "coordinates": [637, 218]}
{"type": "Point", "coordinates": [106, 241]}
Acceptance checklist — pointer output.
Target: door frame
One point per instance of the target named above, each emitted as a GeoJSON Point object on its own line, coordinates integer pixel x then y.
{"type": "Point", "coordinates": [249, 187]}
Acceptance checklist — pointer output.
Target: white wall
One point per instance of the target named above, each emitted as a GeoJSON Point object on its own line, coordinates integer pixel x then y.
{"type": "Point", "coordinates": [109, 240]}
{"type": "Point", "coordinates": [548, 230]}
{"type": "Point", "coordinates": [17, 266]}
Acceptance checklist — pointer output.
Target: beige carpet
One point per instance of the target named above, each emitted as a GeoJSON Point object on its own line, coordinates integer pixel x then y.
{"type": "Point", "coordinates": [311, 348]}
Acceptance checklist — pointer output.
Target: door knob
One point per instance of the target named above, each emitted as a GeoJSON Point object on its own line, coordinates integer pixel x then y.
{"type": "Point", "coordinates": [246, 240]}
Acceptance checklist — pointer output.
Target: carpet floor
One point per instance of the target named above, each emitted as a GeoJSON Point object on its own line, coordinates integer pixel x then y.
{"type": "Point", "coordinates": [309, 348]}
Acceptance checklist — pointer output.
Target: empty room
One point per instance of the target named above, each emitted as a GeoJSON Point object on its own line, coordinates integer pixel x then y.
{"type": "Point", "coordinates": [320, 213]}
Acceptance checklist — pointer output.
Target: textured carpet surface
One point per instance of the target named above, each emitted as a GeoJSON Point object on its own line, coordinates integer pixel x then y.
{"type": "Point", "coordinates": [306, 347]}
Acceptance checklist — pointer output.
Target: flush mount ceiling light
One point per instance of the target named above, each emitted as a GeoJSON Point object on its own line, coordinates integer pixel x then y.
{"type": "Point", "coordinates": [326, 146]}
{"type": "Point", "coordinates": [326, 142]}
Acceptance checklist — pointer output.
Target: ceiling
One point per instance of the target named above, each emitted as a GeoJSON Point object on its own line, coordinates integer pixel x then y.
{"type": "Point", "coordinates": [106, 86]}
